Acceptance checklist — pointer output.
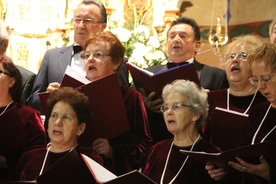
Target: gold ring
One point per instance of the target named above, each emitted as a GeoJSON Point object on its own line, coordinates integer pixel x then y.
{"type": "Point", "coordinates": [243, 169]}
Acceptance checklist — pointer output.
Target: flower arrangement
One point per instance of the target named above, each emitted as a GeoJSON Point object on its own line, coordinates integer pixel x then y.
{"type": "Point", "coordinates": [142, 48]}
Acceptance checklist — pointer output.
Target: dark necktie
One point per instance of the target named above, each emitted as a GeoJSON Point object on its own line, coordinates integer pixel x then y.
{"type": "Point", "coordinates": [77, 49]}
{"type": "Point", "coordinates": [171, 65]}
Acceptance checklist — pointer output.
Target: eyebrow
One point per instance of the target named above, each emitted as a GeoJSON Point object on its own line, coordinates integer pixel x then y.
{"type": "Point", "coordinates": [79, 16]}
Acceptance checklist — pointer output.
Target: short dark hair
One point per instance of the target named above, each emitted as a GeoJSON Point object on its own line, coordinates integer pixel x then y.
{"type": "Point", "coordinates": [12, 70]}
{"type": "Point", "coordinates": [189, 21]}
{"type": "Point", "coordinates": [103, 14]}
{"type": "Point", "coordinates": [77, 100]}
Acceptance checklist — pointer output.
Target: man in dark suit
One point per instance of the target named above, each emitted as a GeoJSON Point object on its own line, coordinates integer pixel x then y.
{"type": "Point", "coordinates": [28, 79]}
{"type": "Point", "coordinates": [183, 39]}
{"type": "Point", "coordinates": [89, 17]}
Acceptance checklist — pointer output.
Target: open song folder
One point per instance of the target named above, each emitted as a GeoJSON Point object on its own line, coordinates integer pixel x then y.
{"type": "Point", "coordinates": [102, 175]}
{"type": "Point", "coordinates": [249, 153]}
{"type": "Point", "coordinates": [156, 81]}
{"type": "Point", "coordinates": [109, 116]}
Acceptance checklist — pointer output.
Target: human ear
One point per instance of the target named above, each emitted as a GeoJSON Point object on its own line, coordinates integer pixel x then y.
{"type": "Point", "coordinates": [82, 127]}
{"type": "Point", "coordinates": [195, 117]}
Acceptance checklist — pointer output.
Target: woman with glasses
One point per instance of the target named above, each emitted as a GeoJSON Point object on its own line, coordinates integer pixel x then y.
{"type": "Point", "coordinates": [240, 97]}
{"type": "Point", "coordinates": [262, 118]}
{"type": "Point", "coordinates": [104, 55]}
{"type": "Point", "coordinates": [184, 110]}
{"type": "Point", "coordinates": [21, 126]}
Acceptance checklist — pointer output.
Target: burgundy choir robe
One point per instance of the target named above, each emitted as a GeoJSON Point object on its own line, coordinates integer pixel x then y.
{"type": "Point", "coordinates": [131, 148]}
{"type": "Point", "coordinates": [34, 131]}
{"type": "Point", "coordinates": [255, 118]}
{"type": "Point", "coordinates": [192, 172]}
{"type": "Point", "coordinates": [218, 98]}
{"type": "Point", "coordinates": [30, 164]}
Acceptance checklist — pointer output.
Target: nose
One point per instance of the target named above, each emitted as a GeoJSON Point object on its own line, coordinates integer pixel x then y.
{"type": "Point", "coordinates": [236, 58]}
{"type": "Point", "coordinates": [91, 58]}
{"type": "Point", "coordinates": [57, 122]}
{"type": "Point", "coordinates": [170, 110]}
{"type": "Point", "coordinates": [260, 84]}
{"type": "Point", "coordinates": [177, 38]}
{"type": "Point", "coordinates": [81, 24]}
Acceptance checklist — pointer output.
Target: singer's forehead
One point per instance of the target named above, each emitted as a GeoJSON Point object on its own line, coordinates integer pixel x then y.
{"type": "Point", "coordinates": [182, 28]}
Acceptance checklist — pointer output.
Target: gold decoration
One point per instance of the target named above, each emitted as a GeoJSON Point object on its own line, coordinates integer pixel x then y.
{"type": "Point", "coordinates": [138, 12]}
{"type": "Point", "coordinates": [219, 14]}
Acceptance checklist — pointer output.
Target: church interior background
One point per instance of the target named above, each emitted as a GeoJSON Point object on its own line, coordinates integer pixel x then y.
{"type": "Point", "coordinates": [36, 26]}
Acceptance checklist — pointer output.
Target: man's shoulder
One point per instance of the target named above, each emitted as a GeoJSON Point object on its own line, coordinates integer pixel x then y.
{"type": "Point", "coordinates": [59, 49]}
{"type": "Point", "coordinates": [213, 68]}
{"type": "Point", "coordinates": [25, 71]}
{"type": "Point", "coordinates": [201, 66]}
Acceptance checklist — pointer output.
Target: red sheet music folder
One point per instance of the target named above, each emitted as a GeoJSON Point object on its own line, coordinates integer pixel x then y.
{"type": "Point", "coordinates": [228, 127]}
{"type": "Point", "coordinates": [156, 81]}
{"type": "Point", "coordinates": [109, 116]}
{"type": "Point", "coordinates": [102, 175]}
{"type": "Point", "coordinates": [70, 78]}
{"type": "Point", "coordinates": [249, 153]}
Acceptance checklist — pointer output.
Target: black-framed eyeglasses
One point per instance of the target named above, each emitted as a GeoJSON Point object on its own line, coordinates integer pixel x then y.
{"type": "Point", "coordinates": [264, 79]}
{"type": "Point", "coordinates": [242, 56]}
{"type": "Point", "coordinates": [97, 55]}
{"type": "Point", "coordinates": [2, 72]}
{"type": "Point", "coordinates": [86, 22]}
{"type": "Point", "coordinates": [174, 107]}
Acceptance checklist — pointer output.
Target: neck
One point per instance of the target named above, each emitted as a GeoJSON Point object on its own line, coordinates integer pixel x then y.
{"type": "Point", "coordinates": [186, 138]}
{"type": "Point", "coordinates": [57, 148]}
{"type": "Point", "coordinates": [273, 105]}
{"type": "Point", "coordinates": [5, 101]}
{"type": "Point", "coordinates": [241, 90]}
{"type": "Point", "coordinates": [180, 59]}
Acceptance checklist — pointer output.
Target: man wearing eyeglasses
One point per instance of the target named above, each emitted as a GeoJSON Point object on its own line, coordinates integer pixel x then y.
{"type": "Point", "coordinates": [89, 17]}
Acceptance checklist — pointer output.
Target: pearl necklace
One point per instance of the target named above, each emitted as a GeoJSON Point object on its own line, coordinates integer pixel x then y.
{"type": "Point", "coordinates": [257, 131]}
{"type": "Point", "coordinates": [164, 170]}
{"type": "Point", "coordinates": [6, 108]}
{"type": "Point", "coordinates": [228, 108]}
{"type": "Point", "coordinates": [46, 155]}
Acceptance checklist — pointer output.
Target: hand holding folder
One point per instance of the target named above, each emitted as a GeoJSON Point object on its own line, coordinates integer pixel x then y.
{"type": "Point", "coordinates": [249, 153]}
